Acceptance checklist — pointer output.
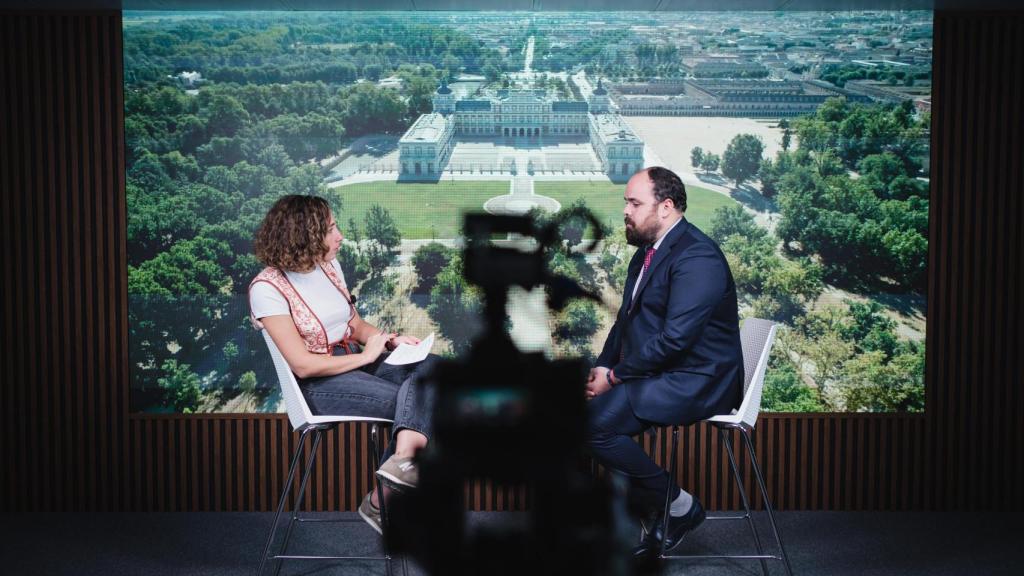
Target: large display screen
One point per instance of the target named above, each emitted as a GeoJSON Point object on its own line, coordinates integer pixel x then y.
{"type": "Point", "coordinates": [802, 139]}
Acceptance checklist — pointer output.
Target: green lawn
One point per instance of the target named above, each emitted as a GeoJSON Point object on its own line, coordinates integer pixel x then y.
{"type": "Point", "coordinates": [420, 210]}
{"type": "Point", "coordinates": [604, 199]}
{"type": "Point", "coordinates": [435, 210]}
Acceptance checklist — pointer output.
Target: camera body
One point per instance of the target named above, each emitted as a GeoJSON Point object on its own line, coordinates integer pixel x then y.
{"type": "Point", "coordinates": [517, 420]}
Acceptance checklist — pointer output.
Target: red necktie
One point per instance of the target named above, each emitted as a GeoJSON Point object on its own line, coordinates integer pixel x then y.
{"type": "Point", "coordinates": [647, 258]}
{"type": "Point", "coordinates": [647, 264]}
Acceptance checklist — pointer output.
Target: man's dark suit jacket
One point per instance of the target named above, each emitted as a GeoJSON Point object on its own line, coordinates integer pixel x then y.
{"type": "Point", "coordinates": [679, 339]}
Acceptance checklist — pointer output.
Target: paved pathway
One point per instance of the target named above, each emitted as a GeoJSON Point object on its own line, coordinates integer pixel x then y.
{"type": "Point", "coordinates": [528, 59]}
{"type": "Point", "coordinates": [521, 198]}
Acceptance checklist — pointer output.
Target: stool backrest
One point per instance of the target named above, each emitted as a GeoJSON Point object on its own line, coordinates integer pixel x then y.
{"type": "Point", "coordinates": [756, 338]}
{"type": "Point", "coordinates": [299, 413]}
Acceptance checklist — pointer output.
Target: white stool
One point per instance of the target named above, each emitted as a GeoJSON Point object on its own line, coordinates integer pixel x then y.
{"type": "Point", "coordinates": [303, 421]}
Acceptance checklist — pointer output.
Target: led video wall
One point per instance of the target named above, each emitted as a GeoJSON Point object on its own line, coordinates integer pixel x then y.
{"type": "Point", "coordinates": [802, 139]}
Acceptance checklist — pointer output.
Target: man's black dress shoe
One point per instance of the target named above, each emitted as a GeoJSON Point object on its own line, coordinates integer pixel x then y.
{"type": "Point", "coordinates": [677, 528]}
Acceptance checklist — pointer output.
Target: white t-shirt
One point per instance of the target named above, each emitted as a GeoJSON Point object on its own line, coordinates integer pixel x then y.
{"type": "Point", "coordinates": [320, 294]}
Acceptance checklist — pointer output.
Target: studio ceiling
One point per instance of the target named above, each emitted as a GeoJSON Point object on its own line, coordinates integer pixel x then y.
{"type": "Point", "coordinates": [512, 5]}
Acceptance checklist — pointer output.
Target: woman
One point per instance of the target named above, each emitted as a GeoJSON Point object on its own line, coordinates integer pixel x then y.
{"type": "Point", "coordinates": [302, 301]}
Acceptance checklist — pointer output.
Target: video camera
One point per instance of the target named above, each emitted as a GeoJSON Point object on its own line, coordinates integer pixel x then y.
{"type": "Point", "coordinates": [516, 419]}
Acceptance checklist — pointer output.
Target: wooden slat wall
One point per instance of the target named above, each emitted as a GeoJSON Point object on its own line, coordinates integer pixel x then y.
{"type": "Point", "coordinates": [811, 462]}
{"type": "Point", "coordinates": [64, 337]}
{"type": "Point", "coordinates": [70, 444]}
{"type": "Point", "coordinates": [975, 313]}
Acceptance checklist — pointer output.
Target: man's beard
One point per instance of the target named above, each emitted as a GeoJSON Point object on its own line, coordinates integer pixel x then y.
{"type": "Point", "coordinates": [641, 236]}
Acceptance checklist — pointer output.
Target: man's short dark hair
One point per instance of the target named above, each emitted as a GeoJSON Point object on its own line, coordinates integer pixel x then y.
{"type": "Point", "coordinates": [667, 185]}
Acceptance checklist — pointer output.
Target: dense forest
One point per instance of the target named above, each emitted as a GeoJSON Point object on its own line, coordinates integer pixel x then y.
{"type": "Point", "coordinates": [848, 250]}
{"type": "Point", "coordinates": [222, 117]}
{"type": "Point", "coordinates": [840, 74]}
{"type": "Point", "coordinates": [853, 205]}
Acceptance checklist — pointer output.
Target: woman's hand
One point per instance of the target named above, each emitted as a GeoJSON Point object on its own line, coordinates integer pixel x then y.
{"type": "Point", "coordinates": [402, 339]}
{"type": "Point", "coordinates": [375, 345]}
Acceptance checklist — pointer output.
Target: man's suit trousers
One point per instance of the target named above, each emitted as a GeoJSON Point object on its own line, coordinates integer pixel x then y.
{"type": "Point", "coordinates": [610, 427]}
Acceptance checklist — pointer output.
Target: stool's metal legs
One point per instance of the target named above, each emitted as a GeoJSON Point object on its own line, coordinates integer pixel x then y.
{"type": "Point", "coordinates": [317, 432]}
{"type": "Point", "coordinates": [761, 555]}
{"type": "Point", "coordinates": [302, 495]}
{"type": "Point", "coordinates": [378, 450]}
{"type": "Point", "coordinates": [668, 490]}
{"type": "Point", "coordinates": [284, 498]}
{"type": "Point", "coordinates": [743, 496]}
{"type": "Point", "coordinates": [767, 501]}
{"type": "Point", "coordinates": [375, 441]}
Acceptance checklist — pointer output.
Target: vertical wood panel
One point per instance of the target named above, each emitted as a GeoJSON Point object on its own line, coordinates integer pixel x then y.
{"type": "Point", "coordinates": [7, 369]}
{"type": "Point", "coordinates": [16, 166]}
{"type": "Point", "coordinates": [64, 428]}
{"type": "Point", "coordinates": [975, 233]}
{"type": "Point", "coordinates": [1010, 225]}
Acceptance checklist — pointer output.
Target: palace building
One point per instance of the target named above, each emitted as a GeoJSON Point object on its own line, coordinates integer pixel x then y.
{"type": "Point", "coordinates": [518, 115]}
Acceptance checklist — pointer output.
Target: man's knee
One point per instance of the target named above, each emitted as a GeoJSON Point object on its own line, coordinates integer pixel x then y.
{"type": "Point", "coordinates": [599, 430]}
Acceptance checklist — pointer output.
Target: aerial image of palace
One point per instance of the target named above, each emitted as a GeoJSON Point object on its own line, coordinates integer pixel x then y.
{"type": "Point", "coordinates": [802, 139]}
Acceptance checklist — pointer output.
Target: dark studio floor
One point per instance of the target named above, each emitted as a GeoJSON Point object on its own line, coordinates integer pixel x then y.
{"type": "Point", "coordinates": [222, 544]}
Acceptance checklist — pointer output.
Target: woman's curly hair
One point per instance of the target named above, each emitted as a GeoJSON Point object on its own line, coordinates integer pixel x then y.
{"type": "Point", "coordinates": [291, 236]}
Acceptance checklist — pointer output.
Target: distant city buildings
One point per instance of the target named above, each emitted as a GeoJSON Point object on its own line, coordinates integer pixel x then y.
{"type": "Point", "coordinates": [720, 64]}
{"type": "Point", "coordinates": [724, 68]}
{"type": "Point", "coordinates": [888, 93]}
{"type": "Point", "coordinates": [726, 97]}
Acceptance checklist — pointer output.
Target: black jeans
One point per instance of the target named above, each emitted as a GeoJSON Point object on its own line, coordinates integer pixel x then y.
{"type": "Point", "coordinates": [377, 390]}
{"type": "Point", "coordinates": [610, 427]}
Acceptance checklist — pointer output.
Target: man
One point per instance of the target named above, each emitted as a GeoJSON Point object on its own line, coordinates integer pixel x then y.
{"type": "Point", "coordinates": [673, 355]}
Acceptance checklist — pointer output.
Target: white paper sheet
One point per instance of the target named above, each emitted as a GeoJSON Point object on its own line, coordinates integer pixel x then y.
{"type": "Point", "coordinates": [407, 353]}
